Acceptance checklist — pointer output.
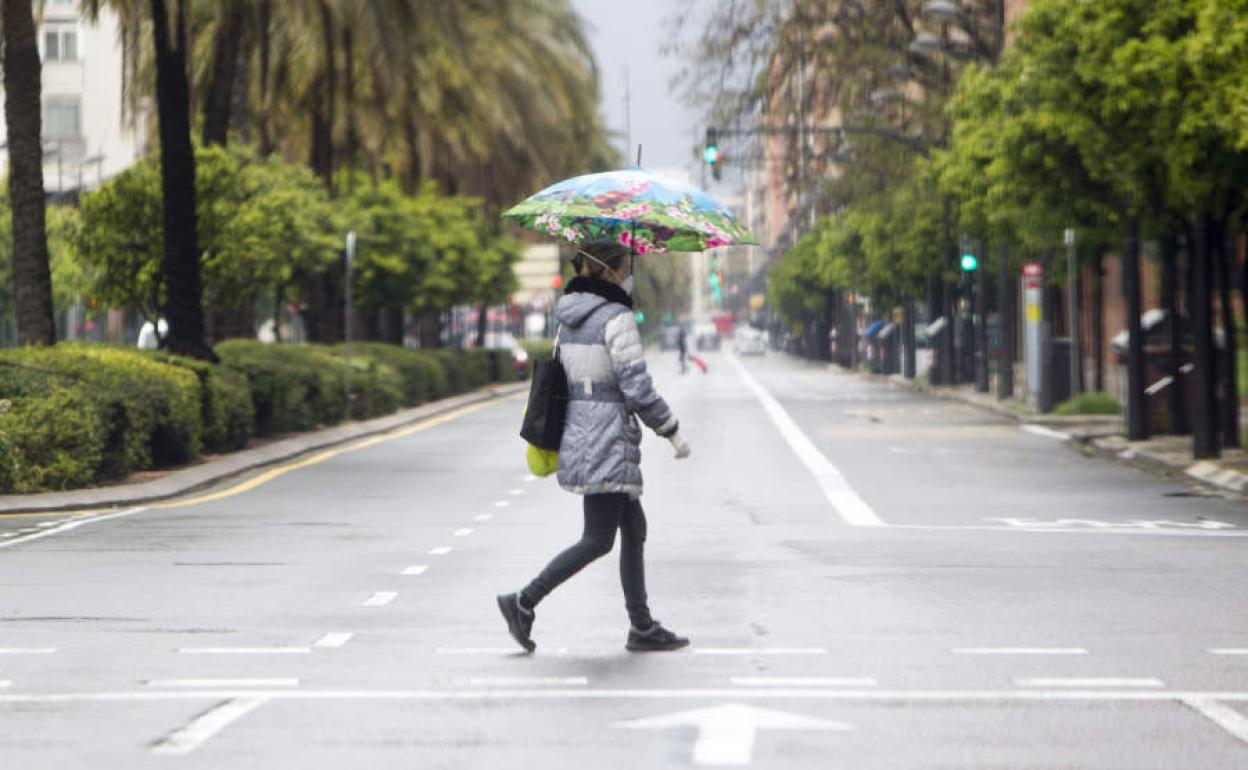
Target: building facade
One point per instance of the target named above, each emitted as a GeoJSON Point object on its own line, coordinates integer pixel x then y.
{"type": "Point", "coordinates": [88, 134]}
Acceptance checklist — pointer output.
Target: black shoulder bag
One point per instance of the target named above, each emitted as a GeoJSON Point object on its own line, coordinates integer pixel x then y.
{"type": "Point", "coordinates": [548, 404]}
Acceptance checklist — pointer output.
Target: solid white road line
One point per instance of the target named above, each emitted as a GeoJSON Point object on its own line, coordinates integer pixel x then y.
{"type": "Point", "coordinates": [186, 739]}
{"type": "Point", "coordinates": [415, 569]}
{"type": "Point", "coordinates": [760, 651]}
{"type": "Point", "coordinates": [380, 599]}
{"type": "Point", "coordinates": [528, 681]}
{"type": "Point", "coordinates": [1222, 715]}
{"type": "Point", "coordinates": [1229, 651]}
{"type": "Point", "coordinates": [1088, 681]}
{"type": "Point", "coordinates": [803, 681]}
{"type": "Point", "coordinates": [245, 650]}
{"type": "Point", "coordinates": [27, 650]}
{"type": "Point", "coordinates": [852, 508]}
{"type": "Point", "coordinates": [1040, 430]}
{"type": "Point", "coordinates": [462, 532]}
{"type": "Point", "coordinates": [1020, 651]}
{"type": "Point", "coordinates": [483, 517]}
{"type": "Point", "coordinates": [334, 639]}
{"type": "Point", "coordinates": [441, 550]}
{"type": "Point", "coordinates": [239, 683]}
{"type": "Point", "coordinates": [71, 524]}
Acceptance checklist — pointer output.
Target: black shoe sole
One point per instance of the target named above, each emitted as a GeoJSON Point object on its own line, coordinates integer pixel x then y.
{"type": "Point", "coordinates": [509, 610]}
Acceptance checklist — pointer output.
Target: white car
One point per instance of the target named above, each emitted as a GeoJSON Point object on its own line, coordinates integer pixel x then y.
{"type": "Point", "coordinates": [749, 341]}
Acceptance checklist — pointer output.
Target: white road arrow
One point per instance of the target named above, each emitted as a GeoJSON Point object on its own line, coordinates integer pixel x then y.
{"type": "Point", "coordinates": [726, 733]}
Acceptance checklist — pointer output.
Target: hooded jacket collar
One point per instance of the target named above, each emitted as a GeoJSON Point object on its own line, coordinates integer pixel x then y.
{"type": "Point", "coordinates": [605, 289]}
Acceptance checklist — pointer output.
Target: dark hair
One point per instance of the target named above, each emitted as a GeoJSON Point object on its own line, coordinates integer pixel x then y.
{"type": "Point", "coordinates": [611, 253]}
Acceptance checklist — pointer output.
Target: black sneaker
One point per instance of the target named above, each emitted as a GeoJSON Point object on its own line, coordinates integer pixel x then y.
{"type": "Point", "coordinates": [519, 620]}
{"type": "Point", "coordinates": [655, 639]}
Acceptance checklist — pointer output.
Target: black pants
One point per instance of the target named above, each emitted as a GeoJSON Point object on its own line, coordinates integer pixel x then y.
{"type": "Point", "coordinates": [604, 514]}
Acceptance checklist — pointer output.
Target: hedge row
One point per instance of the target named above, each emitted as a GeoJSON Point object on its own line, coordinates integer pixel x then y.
{"type": "Point", "coordinates": [78, 414]}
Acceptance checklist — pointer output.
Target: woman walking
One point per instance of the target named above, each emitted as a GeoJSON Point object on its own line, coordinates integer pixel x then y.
{"type": "Point", "coordinates": [600, 455]}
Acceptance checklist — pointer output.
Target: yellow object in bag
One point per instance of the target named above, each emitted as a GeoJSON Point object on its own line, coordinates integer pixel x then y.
{"type": "Point", "coordinates": [542, 462]}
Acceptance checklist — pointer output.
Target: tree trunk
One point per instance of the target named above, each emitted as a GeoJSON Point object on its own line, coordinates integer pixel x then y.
{"type": "Point", "coordinates": [1170, 304]}
{"type": "Point", "coordinates": [263, 23]}
{"type": "Point", "coordinates": [325, 98]}
{"type": "Point", "coordinates": [32, 278]}
{"type": "Point", "coordinates": [1137, 411]}
{"type": "Point", "coordinates": [979, 332]}
{"type": "Point", "coordinates": [483, 324]}
{"type": "Point", "coordinates": [218, 99]}
{"type": "Point", "coordinates": [1007, 286]}
{"type": "Point", "coordinates": [1098, 319]}
{"type": "Point", "coordinates": [351, 147]}
{"type": "Point", "coordinates": [180, 266]}
{"type": "Point", "coordinates": [1224, 253]}
{"type": "Point", "coordinates": [411, 138]}
{"type": "Point", "coordinates": [1204, 428]}
{"type": "Point", "coordinates": [909, 360]}
{"type": "Point", "coordinates": [392, 325]}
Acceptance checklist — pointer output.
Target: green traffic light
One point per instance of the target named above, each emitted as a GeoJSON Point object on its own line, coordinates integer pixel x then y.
{"type": "Point", "coordinates": [639, 317]}
{"type": "Point", "coordinates": [711, 154]}
{"type": "Point", "coordinates": [969, 262]}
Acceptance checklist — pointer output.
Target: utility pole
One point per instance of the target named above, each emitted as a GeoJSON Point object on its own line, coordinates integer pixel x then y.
{"type": "Point", "coordinates": [349, 301]}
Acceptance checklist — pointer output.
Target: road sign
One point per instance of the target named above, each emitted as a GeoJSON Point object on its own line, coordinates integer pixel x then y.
{"type": "Point", "coordinates": [726, 733]}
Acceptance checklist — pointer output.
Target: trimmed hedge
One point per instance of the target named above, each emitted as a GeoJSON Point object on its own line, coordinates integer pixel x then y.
{"type": "Point", "coordinates": [146, 414]}
{"type": "Point", "coordinates": [1097, 402]}
{"type": "Point", "coordinates": [538, 350]}
{"type": "Point", "coordinates": [79, 414]}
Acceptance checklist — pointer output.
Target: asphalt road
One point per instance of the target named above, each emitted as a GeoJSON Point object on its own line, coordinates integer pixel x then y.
{"type": "Point", "coordinates": [871, 579]}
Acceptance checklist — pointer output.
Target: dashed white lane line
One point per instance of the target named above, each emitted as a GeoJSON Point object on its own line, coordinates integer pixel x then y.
{"type": "Point", "coordinates": [380, 599]}
{"type": "Point", "coordinates": [803, 681]}
{"type": "Point", "coordinates": [528, 681]}
{"type": "Point", "coordinates": [269, 682]}
{"type": "Point", "coordinates": [71, 524]}
{"type": "Point", "coordinates": [529, 477]}
{"type": "Point", "coordinates": [515, 492]}
{"type": "Point", "coordinates": [441, 550]}
{"type": "Point", "coordinates": [852, 508]}
{"type": "Point", "coordinates": [1088, 681]}
{"type": "Point", "coordinates": [415, 569]}
{"type": "Point", "coordinates": [1020, 651]}
{"type": "Point", "coordinates": [462, 532]}
{"type": "Point", "coordinates": [760, 651]}
{"type": "Point", "coordinates": [501, 503]}
{"type": "Point", "coordinates": [1229, 719]}
{"type": "Point", "coordinates": [334, 639]}
{"type": "Point", "coordinates": [1229, 651]}
{"type": "Point", "coordinates": [186, 739]}
{"type": "Point", "coordinates": [483, 517]}
{"type": "Point", "coordinates": [27, 650]}
{"type": "Point", "coordinates": [1040, 430]}
{"type": "Point", "coordinates": [245, 650]}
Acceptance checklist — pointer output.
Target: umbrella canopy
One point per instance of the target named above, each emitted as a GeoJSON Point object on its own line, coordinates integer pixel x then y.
{"type": "Point", "coordinates": [639, 209]}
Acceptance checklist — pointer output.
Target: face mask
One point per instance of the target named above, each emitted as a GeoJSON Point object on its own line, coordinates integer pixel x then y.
{"type": "Point", "coordinates": [627, 286]}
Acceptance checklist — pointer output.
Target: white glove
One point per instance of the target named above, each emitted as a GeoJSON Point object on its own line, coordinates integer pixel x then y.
{"type": "Point", "coordinates": [680, 445]}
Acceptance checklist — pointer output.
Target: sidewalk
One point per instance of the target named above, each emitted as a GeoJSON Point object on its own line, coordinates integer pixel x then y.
{"type": "Point", "coordinates": [187, 479]}
{"type": "Point", "coordinates": [1105, 436]}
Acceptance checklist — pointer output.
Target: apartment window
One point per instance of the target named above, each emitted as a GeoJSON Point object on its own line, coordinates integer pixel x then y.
{"type": "Point", "coordinates": [60, 43]}
{"type": "Point", "coordinates": [62, 117]}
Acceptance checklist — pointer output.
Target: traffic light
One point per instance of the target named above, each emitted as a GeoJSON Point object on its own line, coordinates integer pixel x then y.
{"type": "Point", "coordinates": [969, 260]}
{"type": "Point", "coordinates": [639, 317]}
{"type": "Point", "coordinates": [710, 153]}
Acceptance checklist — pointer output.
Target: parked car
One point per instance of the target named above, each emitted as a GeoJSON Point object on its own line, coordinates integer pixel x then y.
{"type": "Point", "coordinates": [749, 341]}
{"type": "Point", "coordinates": [706, 337]}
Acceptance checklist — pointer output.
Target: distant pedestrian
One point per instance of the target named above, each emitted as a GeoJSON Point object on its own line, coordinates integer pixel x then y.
{"type": "Point", "coordinates": [682, 346]}
{"type": "Point", "coordinates": [600, 455]}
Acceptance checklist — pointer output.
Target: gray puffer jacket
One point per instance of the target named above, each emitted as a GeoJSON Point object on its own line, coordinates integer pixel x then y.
{"type": "Point", "coordinates": [609, 389]}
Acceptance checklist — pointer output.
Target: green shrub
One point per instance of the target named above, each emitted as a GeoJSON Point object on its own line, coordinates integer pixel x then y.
{"type": "Point", "coordinates": [53, 440]}
{"type": "Point", "coordinates": [414, 369]}
{"type": "Point", "coordinates": [376, 388]}
{"type": "Point", "coordinates": [477, 365]}
{"type": "Point", "coordinates": [503, 366]}
{"type": "Point", "coordinates": [149, 410]}
{"type": "Point", "coordinates": [293, 387]}
{"type": "Point", "coordinates": [1089, 403]}
{"type": "Point", "coordinates": [538, 350]}
{"type": "Point", "coordinates": [225, 402]}
{"type": "Point", "coordinates": [456, 369]}
{"type": "Point", "coordinates": [438, 381]}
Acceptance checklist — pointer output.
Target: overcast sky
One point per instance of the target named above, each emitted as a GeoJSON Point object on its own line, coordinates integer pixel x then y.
{"type": "Point", "coordinates": [629, 33]}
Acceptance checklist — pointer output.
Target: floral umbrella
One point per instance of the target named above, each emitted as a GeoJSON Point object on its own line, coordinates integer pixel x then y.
{"type": "Point", "coordinates": [640, 210]}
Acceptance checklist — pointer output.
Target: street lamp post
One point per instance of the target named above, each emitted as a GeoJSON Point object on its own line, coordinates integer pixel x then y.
{"type": "Point", "coordinates": [350, 311]}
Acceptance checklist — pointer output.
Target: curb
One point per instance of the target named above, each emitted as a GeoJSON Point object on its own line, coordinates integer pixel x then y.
{"type": "Point", "coordinates": [195, 477]}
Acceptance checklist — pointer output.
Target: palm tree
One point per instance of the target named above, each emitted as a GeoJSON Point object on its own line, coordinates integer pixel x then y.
{"type": "Point", "coordinates": [32, 278]}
